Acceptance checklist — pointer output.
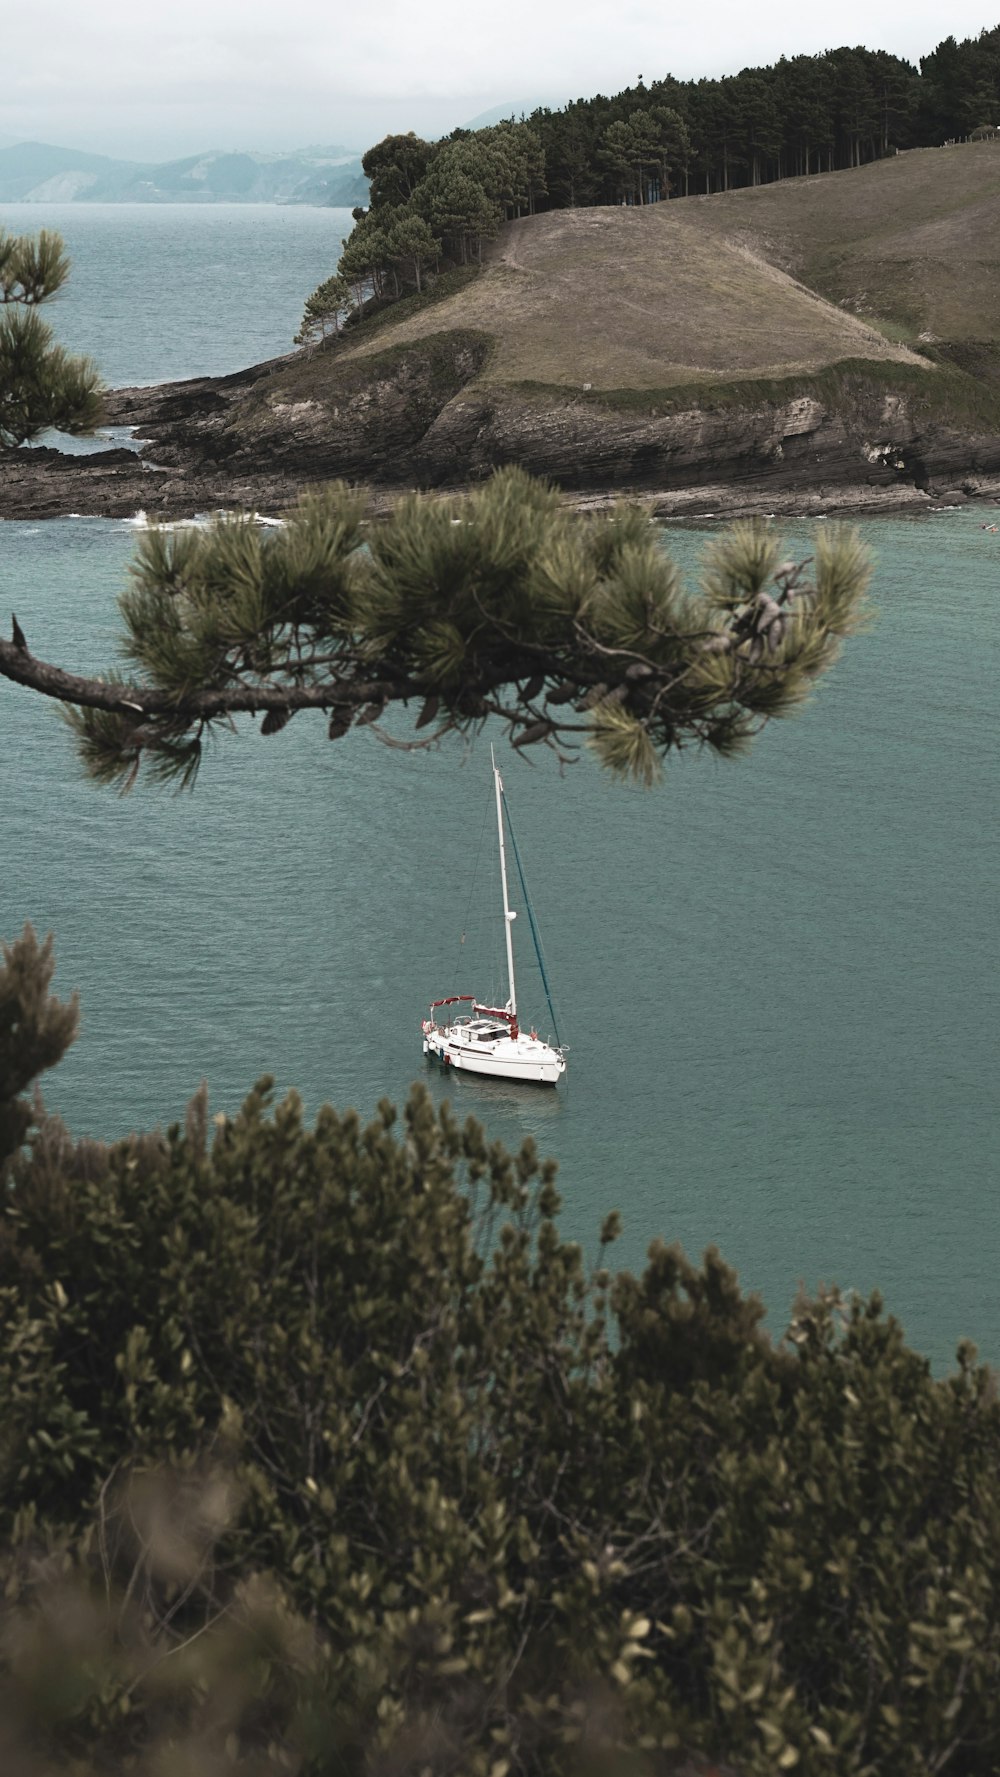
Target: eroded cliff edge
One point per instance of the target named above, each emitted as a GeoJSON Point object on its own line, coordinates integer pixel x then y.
{"type": "Point", "coordinates": [801, 347]}
{"type": "Point", "coordinates": [422, 414]}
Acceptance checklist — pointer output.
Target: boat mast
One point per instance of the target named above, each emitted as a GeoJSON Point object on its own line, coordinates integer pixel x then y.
{"type": "Point", "coordinates": [508, 916]}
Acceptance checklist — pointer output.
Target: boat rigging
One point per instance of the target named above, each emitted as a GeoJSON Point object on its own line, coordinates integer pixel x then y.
{"type": "Point", "coordinates": [489, 1039]}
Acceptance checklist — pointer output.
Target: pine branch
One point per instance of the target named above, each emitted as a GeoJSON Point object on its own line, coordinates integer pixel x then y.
{"type": "Point", "coordinates": [500, 604]}
{"type": "Point", "coordinates": [119, 698]}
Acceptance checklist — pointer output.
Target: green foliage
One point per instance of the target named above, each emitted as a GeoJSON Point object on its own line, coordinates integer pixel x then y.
{"type": "Point", "coordinates": [802, 114]}
{"type": "Point", "coordinates": [639, 150]}
{"type": "Point", "coordinates": [36, 1029]}
{"type": "Point", "coordinates": [960, 86]}
{"type": "Point", "coordinates": [395, 167]}
{"type": "Point", "coordinates": [40, 384]}
{"type": "Point", "coordinates": [324, 310]}
{"type": "Point", "coordinates": [365, 259]}
{"type": "Point", "coordinates": [456, 200]}
{"type": "Point", "coordinates": [433, 198]}
{"type": "Point", "coordinates": [322, 1451]}
{"type": "Point", "coordinates": [498, 604]}
{"type": "Point", "coordinates": [411, 245]}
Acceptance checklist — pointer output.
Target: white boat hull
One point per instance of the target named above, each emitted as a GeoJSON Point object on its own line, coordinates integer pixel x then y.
{"type": "Point", "coordinates": [522, 1057]}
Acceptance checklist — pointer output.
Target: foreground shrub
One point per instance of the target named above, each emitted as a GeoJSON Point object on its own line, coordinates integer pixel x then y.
{"type": "Point", "coordinates": [321, 1450]}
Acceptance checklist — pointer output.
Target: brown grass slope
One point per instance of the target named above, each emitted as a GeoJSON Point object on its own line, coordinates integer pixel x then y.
{"type": "Point", "coordinates": [636, 299]}
{"type": "Point", "coordinates": [761, 337]}
{"type": "Point", "coordinates": [913, 241]}
{"type": "Point", "coordinates": [784, 280]}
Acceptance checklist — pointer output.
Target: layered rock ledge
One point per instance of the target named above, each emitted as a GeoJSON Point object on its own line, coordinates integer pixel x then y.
{"type": "Point", "coordinates": [422, 416]}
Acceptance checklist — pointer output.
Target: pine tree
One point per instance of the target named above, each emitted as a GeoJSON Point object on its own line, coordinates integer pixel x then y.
{"type": "Point", "coordinates": [325, 310]}
{"type": "Point", "coordinates": [35, 1032]}
{"type": "Point", "coordinates": [394, 168]}
{"type": "Point", "coordinates": [411, 245]}
{"type": "Point", "coordinates": [40, 383]}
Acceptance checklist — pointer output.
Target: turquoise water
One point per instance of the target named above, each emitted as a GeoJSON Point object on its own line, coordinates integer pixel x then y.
{"type": "Point", "coordinates": [777, 978]}
{"type": "Point", "coordinates": [160, 291]}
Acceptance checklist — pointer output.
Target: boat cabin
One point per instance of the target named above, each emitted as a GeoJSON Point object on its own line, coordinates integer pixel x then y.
{"type": "Point", "coordinates": [478, 1030]}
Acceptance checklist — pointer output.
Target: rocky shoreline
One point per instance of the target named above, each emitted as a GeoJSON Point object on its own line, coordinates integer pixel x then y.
{"type": "Point", "coordinates": [253, 441]}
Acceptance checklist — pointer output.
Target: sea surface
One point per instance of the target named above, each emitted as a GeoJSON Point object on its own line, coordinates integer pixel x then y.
{"type": "Point", "coordinates": [777, 977]}
{"type": "Point", "coordinates": [163, 291]}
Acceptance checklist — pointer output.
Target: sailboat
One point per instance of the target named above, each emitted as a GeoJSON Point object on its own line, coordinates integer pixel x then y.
{"type": "Point", "coordinates": [489, 1039]}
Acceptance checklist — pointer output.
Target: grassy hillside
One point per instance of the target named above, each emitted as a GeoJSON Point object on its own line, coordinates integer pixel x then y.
{"type": "Point", "coordinates": [753, 286]}
{"type": "Point", "coordinates": [912, 242]}
{"type": "Point", "coordinates": [638, 299]}
{"type": "Point", "coordinates": [782, 332]}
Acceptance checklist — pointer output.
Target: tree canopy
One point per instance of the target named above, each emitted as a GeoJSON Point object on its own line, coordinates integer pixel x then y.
{"type": "Point", "coordinates": [322, 1451]}
{"type": "Point", "coordinates": [802, 114]}
{"type": "Point", "coordinates": [324, 310]}
{"type": "Point", "coordinates": [497, 604]}
{"type": "Point", "coordinates": [41, 384]}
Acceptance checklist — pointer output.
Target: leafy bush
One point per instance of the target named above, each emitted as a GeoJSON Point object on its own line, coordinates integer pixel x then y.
{"type": "Point", "coordinates": [322, 1451]}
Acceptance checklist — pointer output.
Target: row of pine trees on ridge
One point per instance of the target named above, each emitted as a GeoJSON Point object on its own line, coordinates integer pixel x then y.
{"type": "Point", "coordinates": [438, 202]}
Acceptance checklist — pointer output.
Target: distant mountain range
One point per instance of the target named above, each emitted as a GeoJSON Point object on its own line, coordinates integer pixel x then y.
{"type": "Point", "coordinates": [37, 173]}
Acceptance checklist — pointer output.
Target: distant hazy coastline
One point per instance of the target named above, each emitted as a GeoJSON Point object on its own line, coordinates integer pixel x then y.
{"type": "Point", "coordinates": [38, 173]}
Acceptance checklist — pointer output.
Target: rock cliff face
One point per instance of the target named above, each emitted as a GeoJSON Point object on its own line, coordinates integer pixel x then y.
{"type": "Point", "coordinates": [424, 415]}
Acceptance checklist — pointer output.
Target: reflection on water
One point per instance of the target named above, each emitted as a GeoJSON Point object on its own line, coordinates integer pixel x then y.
{"type": "Point", "coordinates": [527, 1110]}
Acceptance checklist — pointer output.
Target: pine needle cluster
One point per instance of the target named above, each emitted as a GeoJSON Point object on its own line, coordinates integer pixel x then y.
{"type": "Point", "coordinates": [499, 604]}
{"type": "Point", "coordinates": [41, 384]}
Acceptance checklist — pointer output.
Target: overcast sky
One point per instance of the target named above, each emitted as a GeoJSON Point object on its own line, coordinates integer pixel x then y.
{"type": "Point", "coordinates": [153, 81]}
